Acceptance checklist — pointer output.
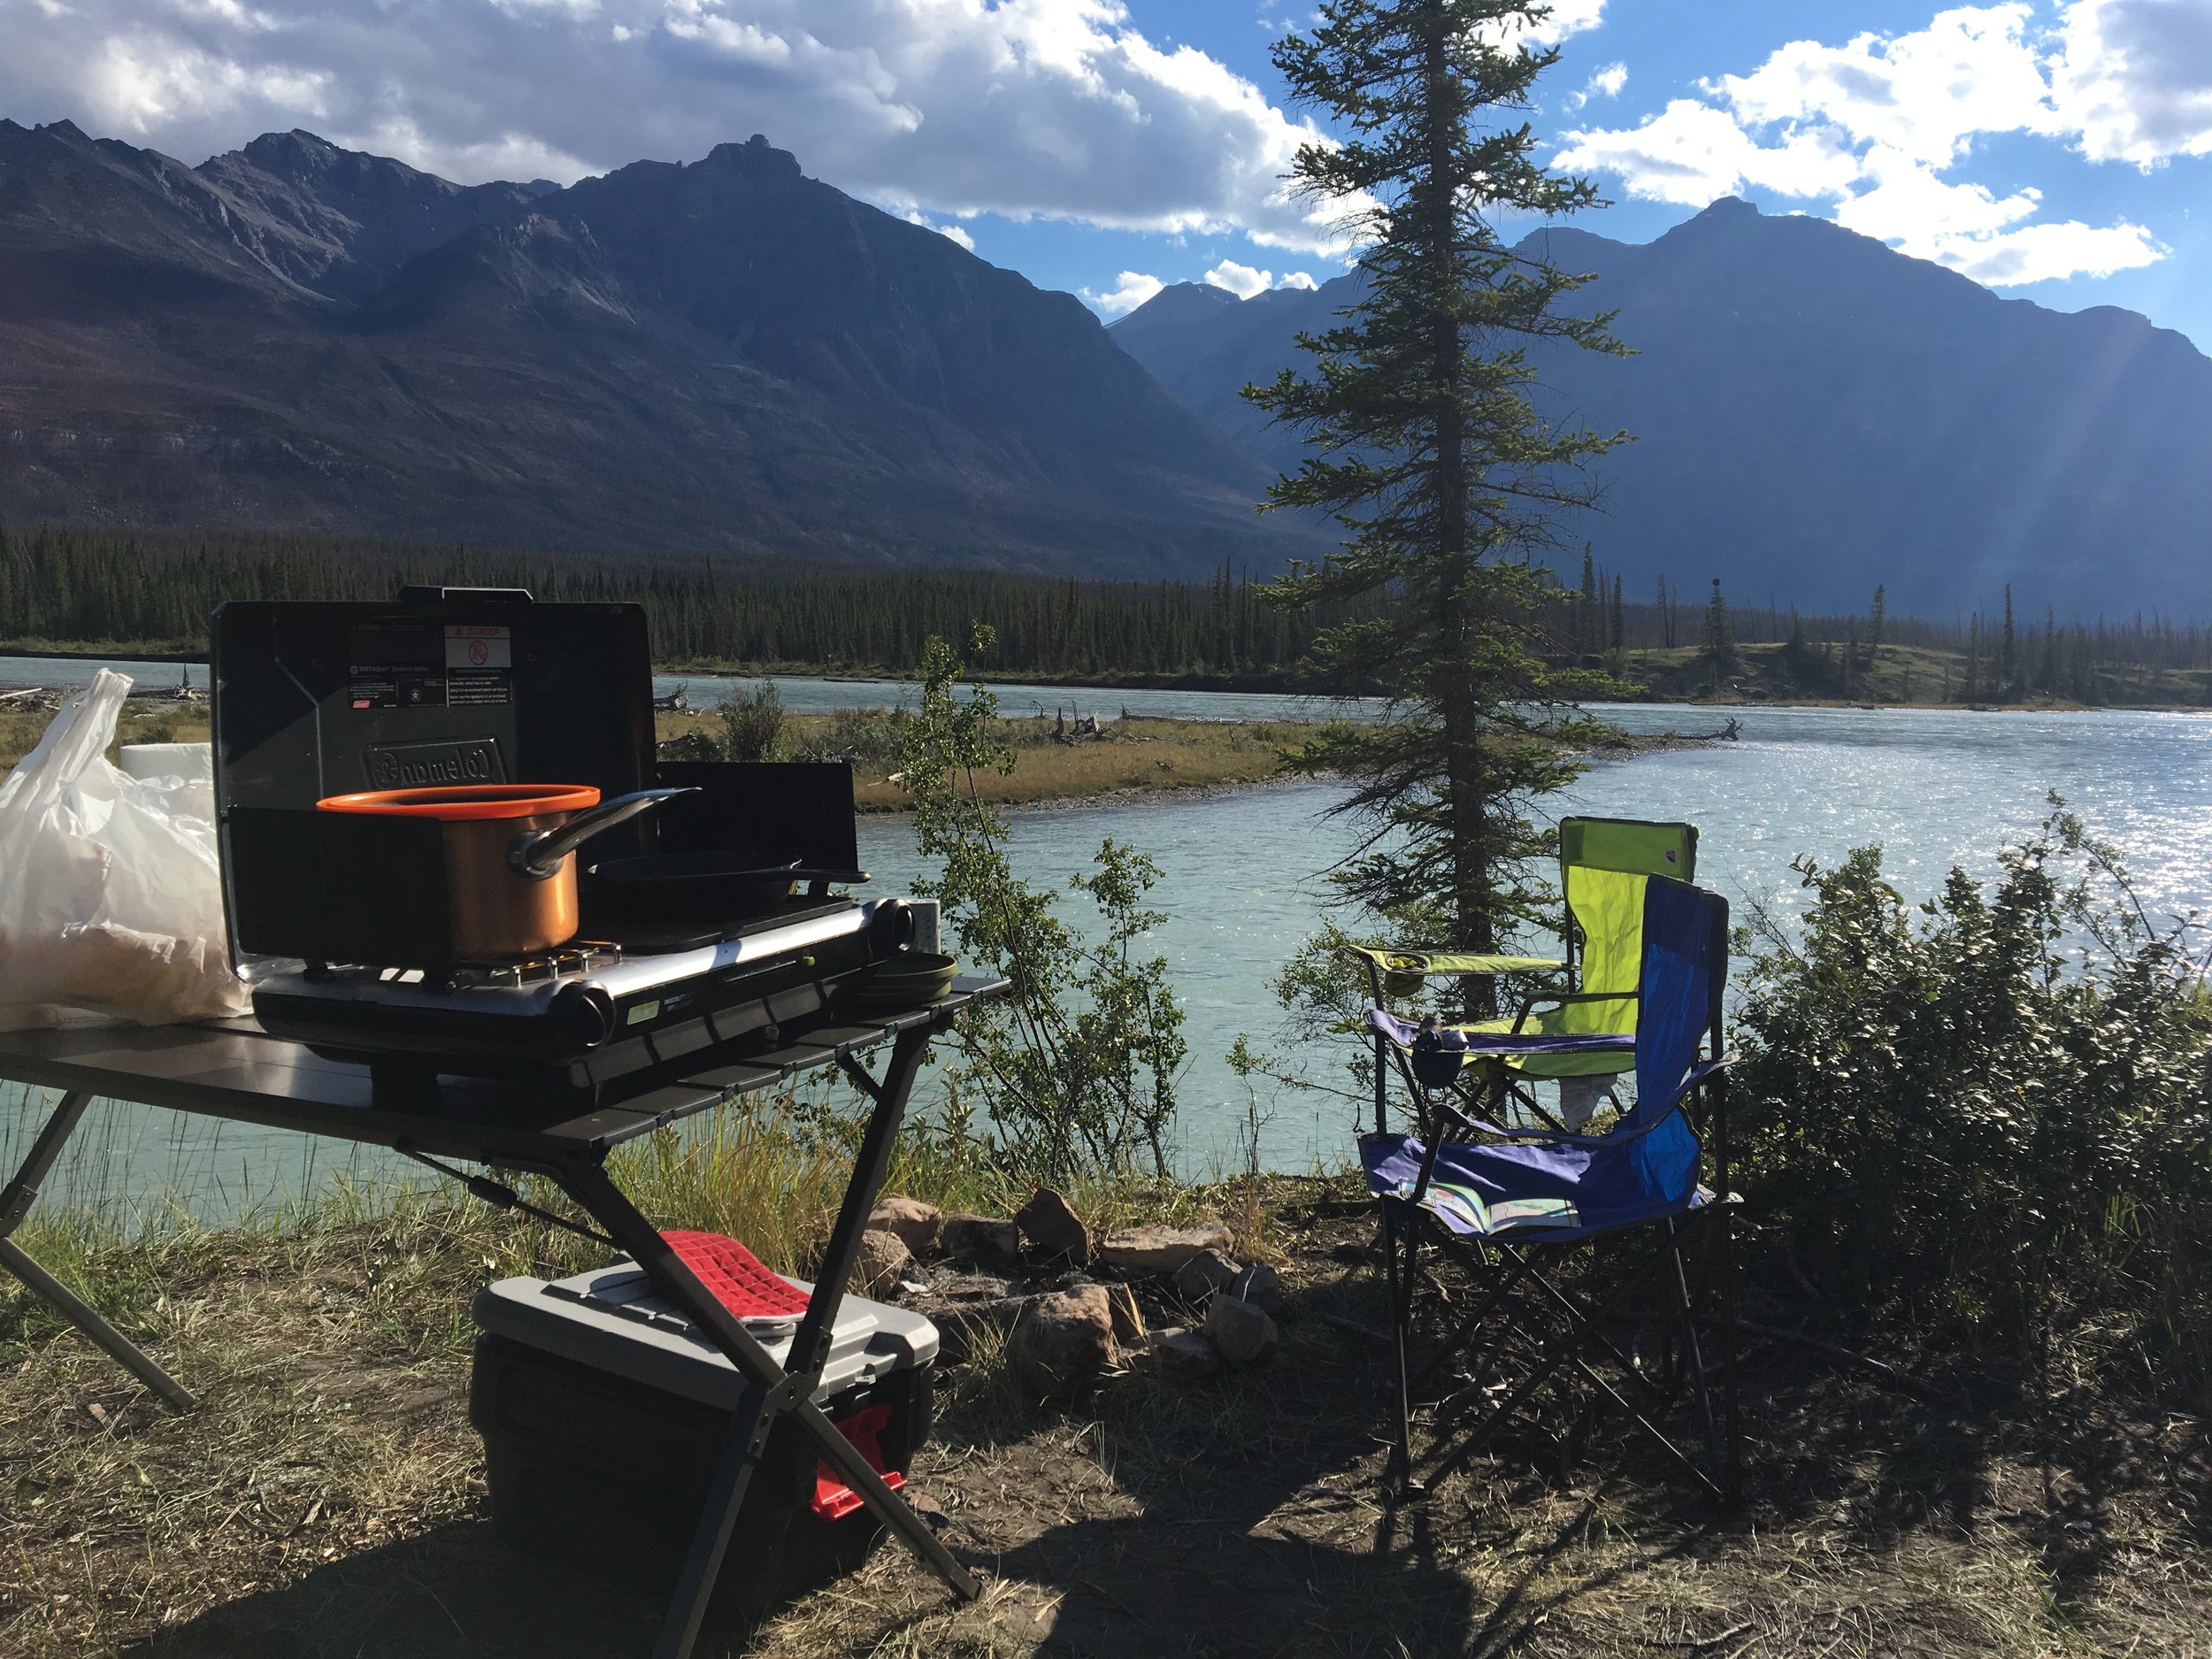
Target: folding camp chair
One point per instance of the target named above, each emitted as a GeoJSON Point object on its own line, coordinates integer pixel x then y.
{"type": "Point", "coordinates": [1496, 1207]}
{"type": "Point", "coordinates": [1602, 864]}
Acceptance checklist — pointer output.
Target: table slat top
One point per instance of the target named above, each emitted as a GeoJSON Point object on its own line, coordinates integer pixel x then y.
{"type": "Point", "coordinates": [234, 1068]}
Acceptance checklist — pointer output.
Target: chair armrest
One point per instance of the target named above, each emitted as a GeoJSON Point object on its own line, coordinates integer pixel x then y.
{"type": "Point", "coordinates": [1699, 1073]}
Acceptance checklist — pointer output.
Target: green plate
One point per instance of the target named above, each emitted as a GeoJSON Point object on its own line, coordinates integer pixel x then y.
{"type": "Point", "coordinates": [915, 976]}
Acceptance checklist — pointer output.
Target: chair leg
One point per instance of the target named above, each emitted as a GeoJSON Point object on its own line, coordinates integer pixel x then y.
{"type": "Point", "coordinates": [1398, 1482]}
{"type": "Point", "coordinates": [1724, 1220]}
{"type": "Point", "coordinates": [1719, 1476]}
{"type": "Point", "coordinates": [1692, 1351]}
{"type": "Point", "coordinates": [1472, 1320]}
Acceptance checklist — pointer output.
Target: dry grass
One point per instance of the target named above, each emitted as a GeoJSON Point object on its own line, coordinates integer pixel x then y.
{"type": "Point", "coordinates": [1139, 756]}
{"type": "Point", "coordinates": [326, 1499]}
{"type": "Point", "coordinates": [141, 723]}
{"type": "Point", "coordinates": [1132, 755]}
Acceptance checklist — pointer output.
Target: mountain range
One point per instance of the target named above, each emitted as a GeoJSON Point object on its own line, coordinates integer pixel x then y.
{"type": "Point", "coordinates": [730, 356]}
{"type": "Point", "coordinates": [1815, 413]}
{"type": "Point", "coordinates": [725, 355]}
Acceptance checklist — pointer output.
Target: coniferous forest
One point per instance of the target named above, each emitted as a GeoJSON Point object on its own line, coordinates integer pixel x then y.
{"type": "Point", "coordinates": [151, 591]}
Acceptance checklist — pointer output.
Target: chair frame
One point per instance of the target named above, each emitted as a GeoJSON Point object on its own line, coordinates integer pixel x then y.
{"type": "Point", "coordinates": [1568, 967]}
{"type": "Point", "coordinates": [1502, 1266]}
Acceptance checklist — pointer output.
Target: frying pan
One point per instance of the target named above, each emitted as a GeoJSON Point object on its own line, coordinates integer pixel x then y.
{"type": "Point", "coordinates": [701, 886]}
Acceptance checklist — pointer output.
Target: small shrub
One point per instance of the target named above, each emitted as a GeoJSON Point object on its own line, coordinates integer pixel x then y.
{"type": "Point", "coordinates": [1076, 1067]}
{"type": "Point", "coordinates": [1988, 1114]}
{"type": "Point", "coordinates": [752, 723]}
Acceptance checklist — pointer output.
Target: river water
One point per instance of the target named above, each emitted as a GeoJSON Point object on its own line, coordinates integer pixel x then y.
{"type": "Point", "coordinates": [1240, 880]}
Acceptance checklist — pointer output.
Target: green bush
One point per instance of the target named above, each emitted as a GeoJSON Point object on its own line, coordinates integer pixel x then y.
{"type": "Point", "coordinates": [1987, 1116]}
{"type": "Point", "coordinates": [1075, 1067]}
{"type": "Point", "coordinates": [752, 723]}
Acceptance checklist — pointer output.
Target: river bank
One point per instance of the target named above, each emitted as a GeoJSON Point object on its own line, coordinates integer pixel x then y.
{"type": "Point", "coordinates": [1056, 763]}
{"type": "Point", "coordinates": [1764, 676]}
{"type": "Point", "coordinates": [328, 1495]}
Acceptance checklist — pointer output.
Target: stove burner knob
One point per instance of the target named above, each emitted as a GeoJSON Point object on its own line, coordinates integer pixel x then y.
{"type": "Point", "coordinates": [584, 1014]}
{"type": "Point", "coordinates": [891, 928]}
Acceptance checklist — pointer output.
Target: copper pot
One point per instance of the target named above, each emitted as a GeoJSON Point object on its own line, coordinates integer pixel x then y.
{"type": "Point", "coordinates": [510, 855]}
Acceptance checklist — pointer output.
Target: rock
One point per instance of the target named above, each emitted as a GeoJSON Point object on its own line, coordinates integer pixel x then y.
{"type": "Point", "coordinates": [1202, 1275]}
{"type": "Point", "coordinates": [1053, 1228]}
{"type": "Point", "coordinates": [1183, 1355]}
{"type": "Point", "coordinates": [1128, 1318]}
{"type": "Point", "coordinates": [1062, 1343]}
{"type": "Point", "coordinates": [1261, 1285]}
{"type": "Point", "coordinates": [1156, 1250]}
{"type": "Point", "coordinates": [914, 1222]}
{"type": "Point", "coordinates": [982, 1239]}
{"type": "Point", "coordinates": [882, 1261]}
{"type": "Point", "coordinates": [1245, 1334]}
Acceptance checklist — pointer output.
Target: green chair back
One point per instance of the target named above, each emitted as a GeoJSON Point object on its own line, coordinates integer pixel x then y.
{"type": "Point", "coordinates": [1633, 845]}
{"type": "Point", "coordinates": [1603, 865]}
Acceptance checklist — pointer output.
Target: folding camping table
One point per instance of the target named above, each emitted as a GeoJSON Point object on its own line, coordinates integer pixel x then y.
{"type": "Point", "coordinates": [232, 1068]}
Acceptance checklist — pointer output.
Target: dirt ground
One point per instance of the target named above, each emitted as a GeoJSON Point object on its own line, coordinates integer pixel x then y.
{"type": "Point", "coordinates": [328, 1500]}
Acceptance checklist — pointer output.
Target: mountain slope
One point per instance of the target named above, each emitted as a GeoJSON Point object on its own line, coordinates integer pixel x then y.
{"type": "Point", "coordinates": [1817, 413]}
{"type": "Point", "coordinates": [352, 220]}
{"type": "Point", "coordinates": [724, 355]}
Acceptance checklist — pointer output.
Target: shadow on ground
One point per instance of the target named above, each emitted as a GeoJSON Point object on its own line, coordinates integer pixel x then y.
{"type": "Point", "coordinates": [1238, 1518]}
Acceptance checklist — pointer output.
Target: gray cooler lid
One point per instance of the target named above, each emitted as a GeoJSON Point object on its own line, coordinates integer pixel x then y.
{"type": "Point", "coordinates": [612, 1320]}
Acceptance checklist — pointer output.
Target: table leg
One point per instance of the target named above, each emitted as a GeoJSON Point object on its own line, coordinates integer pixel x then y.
{"type": "Point", "coordinates": [16, 1200]}
{"type": "Point", "coordinates": [775, 1392]}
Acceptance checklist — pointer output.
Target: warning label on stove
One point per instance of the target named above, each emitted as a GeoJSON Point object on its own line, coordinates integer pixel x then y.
{"type": "Point", "coordinates": [478, 666]}
{"type": "Point", "coordinates": [420, 665]}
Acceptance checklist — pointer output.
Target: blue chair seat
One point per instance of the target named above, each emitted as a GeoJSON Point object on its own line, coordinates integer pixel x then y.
{"type": "Point", "coordinates": [1536, 1193]}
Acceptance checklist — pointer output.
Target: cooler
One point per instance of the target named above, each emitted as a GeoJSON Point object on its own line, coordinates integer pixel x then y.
{"type": "Point", "coordinates": [604, 1415]}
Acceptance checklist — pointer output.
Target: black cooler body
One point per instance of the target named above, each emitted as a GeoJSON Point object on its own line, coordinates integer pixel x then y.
{"type": "Point", "coordinates": [604, 1418]}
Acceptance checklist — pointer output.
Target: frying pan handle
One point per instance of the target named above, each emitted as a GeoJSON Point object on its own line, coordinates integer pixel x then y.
{"type": "Point", "coordinates": [538, 855]}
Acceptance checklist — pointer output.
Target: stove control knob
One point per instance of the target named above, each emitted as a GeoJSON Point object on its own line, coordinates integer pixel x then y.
{"type": "Point", "coordinates": [583, 1014]}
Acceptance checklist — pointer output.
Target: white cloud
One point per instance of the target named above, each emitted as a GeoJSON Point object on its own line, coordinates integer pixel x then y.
{"type": "Point", "coordinates": [132, 89]}
{"type": "Point", "coordinates": [2134, 78]}
{"type": "Point", "coordinates": [951, 233]}
{"type": "Point", "coordinates": [1244, 281]}
{"type": "Point", "coordinates": [1241, 279]}
{"type": "Point", "coordinates": [1925, 94]}
{"type": "Point", "coordinates": [1568, 17]}
{"type": "Point", "coordinates": [1606, 83]}
{"type": "Point", "coordinates": [1873, 127]}
{"type": "Point", "coordinates": [1056, 108]}
{"type": "Point", "coordinates": [1131, 291]}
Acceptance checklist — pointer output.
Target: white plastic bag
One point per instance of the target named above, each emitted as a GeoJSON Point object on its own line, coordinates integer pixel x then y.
{"type": "Point", "coordinates": [110, 899]}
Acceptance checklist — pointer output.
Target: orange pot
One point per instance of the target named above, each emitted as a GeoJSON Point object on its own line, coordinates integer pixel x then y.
{"type": "Point", "coordinates": [510, 855]}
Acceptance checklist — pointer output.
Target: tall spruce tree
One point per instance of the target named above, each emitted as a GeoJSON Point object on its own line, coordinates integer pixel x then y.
{"type": "Point", "coordinates": [2009, 654]}
{"type": "Point", "coordinates": [1719, 641]}
{"type": "Point", "coordinates": [1589, 634]}
{"type": "Point", "coordinates": [1426, 447]}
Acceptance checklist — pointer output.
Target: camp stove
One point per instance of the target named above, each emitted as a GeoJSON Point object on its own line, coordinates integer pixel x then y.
{"type": "Point", "coordinates": [591, 1011]}
{"type": "Point", "coordinates": [456, 686]}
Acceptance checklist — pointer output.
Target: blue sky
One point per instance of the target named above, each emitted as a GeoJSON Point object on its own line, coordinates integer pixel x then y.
{"type": "Point", "coordinates": [2057, 150]}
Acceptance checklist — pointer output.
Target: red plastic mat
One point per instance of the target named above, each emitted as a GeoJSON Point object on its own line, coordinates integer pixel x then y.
{"type": "Point", "coordinates": [833, 1499]}
{"type": "Point", "coordinates": [735, 1276]}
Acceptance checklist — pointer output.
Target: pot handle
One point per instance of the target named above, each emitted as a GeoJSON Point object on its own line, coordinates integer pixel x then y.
{"type": "Point", "coordinates": [538, 855]}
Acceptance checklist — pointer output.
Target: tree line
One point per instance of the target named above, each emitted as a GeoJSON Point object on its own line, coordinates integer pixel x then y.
{"type": "Point", "coordinates": [154, 589]}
